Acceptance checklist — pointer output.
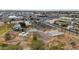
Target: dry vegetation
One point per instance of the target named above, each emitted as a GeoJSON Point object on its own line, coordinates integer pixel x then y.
{"type": "Point", "coordinates": [69, 41]}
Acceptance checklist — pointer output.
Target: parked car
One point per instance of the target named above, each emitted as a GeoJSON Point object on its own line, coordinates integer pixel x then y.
{"type": "Point", "coordinates": [23, 34]}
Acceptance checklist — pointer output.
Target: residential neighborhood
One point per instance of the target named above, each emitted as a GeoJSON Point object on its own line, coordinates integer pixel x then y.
{"type": "Point", "coordinates": [39, 30]}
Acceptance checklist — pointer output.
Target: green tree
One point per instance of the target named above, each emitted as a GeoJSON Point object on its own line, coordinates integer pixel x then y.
{"type": "Point", "coordinates": [37, 44]}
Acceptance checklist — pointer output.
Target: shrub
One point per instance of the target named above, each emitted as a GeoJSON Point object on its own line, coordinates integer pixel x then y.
{"type": "Point", "coordinates": [57, 47]}
{"type": "Point", "coordinates": [7, 36]}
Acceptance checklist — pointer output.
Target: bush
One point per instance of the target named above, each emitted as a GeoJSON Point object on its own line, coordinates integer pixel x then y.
{"type": "Point", "coordinates": [7, 36]}
{"type": "Point", "coordinates": [57, 47]}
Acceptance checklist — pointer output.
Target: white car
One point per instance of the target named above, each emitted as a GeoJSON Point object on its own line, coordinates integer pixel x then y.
{"type": "Point", "coordinates": [23, 34]}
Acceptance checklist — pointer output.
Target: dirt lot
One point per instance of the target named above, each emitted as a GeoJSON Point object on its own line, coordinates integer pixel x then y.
{"type": "Point", "coordinates": [70, 41]}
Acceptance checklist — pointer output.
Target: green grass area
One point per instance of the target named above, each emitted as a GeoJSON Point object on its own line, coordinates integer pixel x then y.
{"type": "Point", "coordinates": [4, 29]}
{"type": "Point", "coordinates": [8, 47]}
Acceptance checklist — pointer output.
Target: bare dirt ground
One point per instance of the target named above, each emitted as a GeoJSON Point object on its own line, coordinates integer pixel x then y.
{"type": "Point", "coordinates": [66, 39]}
